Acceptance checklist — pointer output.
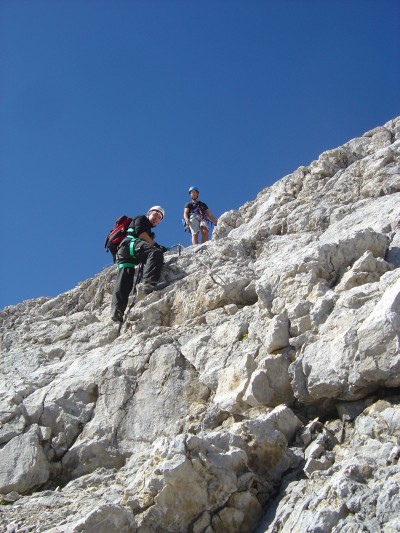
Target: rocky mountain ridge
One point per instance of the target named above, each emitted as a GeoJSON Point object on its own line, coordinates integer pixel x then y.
{"type": "Point", "coordinates": [259, 391]}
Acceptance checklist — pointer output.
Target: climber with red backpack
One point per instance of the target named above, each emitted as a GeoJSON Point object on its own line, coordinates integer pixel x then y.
{"type": "Point", "coordinates": [197, 216]}
{"type": "Point", "coordinates": [136, 247]}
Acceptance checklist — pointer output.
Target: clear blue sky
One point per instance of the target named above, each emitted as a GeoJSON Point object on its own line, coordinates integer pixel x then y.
{"type": "Point", "coordinates": [109, 107]}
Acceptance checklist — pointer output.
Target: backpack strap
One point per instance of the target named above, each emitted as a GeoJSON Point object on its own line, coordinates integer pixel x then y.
{"type": "Point", "coordinates": [132, 244]}
{"type": "Point", "coordinates": [130, 232]}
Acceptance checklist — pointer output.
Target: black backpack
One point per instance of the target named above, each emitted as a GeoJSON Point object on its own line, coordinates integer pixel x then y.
{"type": "Point", "coordinates": [117, 234]}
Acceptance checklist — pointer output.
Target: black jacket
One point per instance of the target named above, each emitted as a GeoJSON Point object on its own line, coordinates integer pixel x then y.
{"type": "Point", "coordinates": [139, 225]}
{"type": "Point", "coordinates": [127, 249]}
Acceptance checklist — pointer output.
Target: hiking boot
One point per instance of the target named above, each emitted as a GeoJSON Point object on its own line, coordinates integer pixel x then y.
{"type": "Point", "coordinates": [143, 289]}
{"type": "Point", "coordinates": [117, 316]}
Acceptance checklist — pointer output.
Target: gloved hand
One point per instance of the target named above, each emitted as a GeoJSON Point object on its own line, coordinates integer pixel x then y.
{"type": "Point", "coordinates": [162, 248]}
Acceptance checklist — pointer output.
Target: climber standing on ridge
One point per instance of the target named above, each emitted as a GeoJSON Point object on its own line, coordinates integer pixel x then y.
{"type": "Point", "coordinates": [196, 216]}
{"type": "Point", "coordinates": [138, 247]}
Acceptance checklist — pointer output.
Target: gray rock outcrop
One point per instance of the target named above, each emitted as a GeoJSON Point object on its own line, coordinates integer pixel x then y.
{"type": "Point", "coordinates": [258, 391]}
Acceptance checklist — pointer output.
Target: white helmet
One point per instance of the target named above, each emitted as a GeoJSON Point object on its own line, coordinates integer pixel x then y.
{"type": "Point", "coordinates": [157, 208]}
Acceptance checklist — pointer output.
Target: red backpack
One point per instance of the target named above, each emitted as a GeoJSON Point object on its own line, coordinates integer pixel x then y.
{"type": "Point", "coordinates": [117, 234]}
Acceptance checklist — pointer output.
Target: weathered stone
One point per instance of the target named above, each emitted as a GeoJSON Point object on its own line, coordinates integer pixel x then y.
{"type": "Point", "coordinates": [277, 337]}
{"type": "Point", "coordinates": [316, 464]}
{"type": "Point", "coordinates": [269, 384]}
{"type": "Point", "coordinates": [265, 368]}
{"type": "Point", "coordinates": [23, 465]}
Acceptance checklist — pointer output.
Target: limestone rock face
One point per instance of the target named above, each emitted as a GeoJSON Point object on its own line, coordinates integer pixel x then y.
{"type": "Point", "coordinates": [258, 391]}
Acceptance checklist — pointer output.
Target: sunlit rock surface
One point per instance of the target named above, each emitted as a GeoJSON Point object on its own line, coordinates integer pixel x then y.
{"type": "Point", "coordinates": [259, 391]}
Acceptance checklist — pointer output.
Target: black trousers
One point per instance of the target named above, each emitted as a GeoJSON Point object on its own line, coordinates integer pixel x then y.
{"type": "Point", "coordinates": [122, 288]}
{"type": "Point", "coordinates": [152, 259]}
